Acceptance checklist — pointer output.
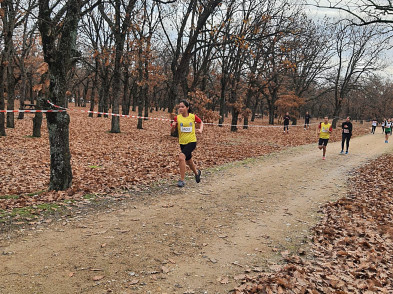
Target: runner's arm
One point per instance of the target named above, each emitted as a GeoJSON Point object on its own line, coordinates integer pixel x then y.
{"type": "Point", "coordinates": [200, 123]}
{"type": "Point", "coordinates": [174, 124]}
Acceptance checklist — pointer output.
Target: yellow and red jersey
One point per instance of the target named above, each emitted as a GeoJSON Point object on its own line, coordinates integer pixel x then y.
{"type": "Point", "coordinates": [186, 127]}
{"type": "Point", "coordinates": [324, 130]}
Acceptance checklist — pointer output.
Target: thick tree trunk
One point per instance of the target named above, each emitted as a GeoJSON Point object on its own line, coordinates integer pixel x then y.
{"type": "Point", "coordinates": [235, 117]}
{"type": "Point", "coordinates": [60, 156]}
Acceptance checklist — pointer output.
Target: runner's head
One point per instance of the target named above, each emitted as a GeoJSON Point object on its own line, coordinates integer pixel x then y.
{"type": "Point", "coordinates": [184, 107]}
{"type": "Point", "coordinates": [325, 119]}
{"type": "Point", "coordinates": [348, 118]}
{"type": "Point", "coordinates": [287, 113]}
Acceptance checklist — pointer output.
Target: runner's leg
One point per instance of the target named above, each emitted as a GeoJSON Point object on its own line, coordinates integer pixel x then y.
{"type": "Point", "coordinates": [347, 145]}
{"type": "Point", "coordinates": [342, 142]}
{"type": "Point", "coordinates": [182, 165]}
{"type": "Point", "coordinates": [191, 164]}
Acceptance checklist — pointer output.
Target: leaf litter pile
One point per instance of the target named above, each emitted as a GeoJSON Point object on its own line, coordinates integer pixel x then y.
{"type": "Point", "coordinates": [352, 247]}
{"type": "Point", "coordinates": [105, 164]}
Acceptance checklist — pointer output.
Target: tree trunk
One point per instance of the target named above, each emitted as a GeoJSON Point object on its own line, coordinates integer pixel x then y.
{"type": "Point", "coordinates": [140, 107]}
{"type": "Point", "coordinates": [100, 101]}
{"type": "Point", "coordinates": [222, 102]}
{"type": "Point", "coordinates": [235, 117]}
{"type": "Point", "coordinates": [254, 109]}
{"type": "Point", "coordinates": [247, 106]}
{"type": "Point", "coordinates": [2, 102]}
{"type": "Point", "coordinates": [85, 90]}
{"type": "Point", "coordinates": [125, 107]}
{"type": "Point", "coordinates": [115, 125]}
{"type": "Point", "coordinates": [271, 113]}
{"type": "Point", "coordinates": [92, 96]}
{"type": "Point", "coordinates": [11, 96]}
{"type": "Point", "coordinates": [60, 156]}
{"type": "Point", "coordinates": [22, 91]}
{"type": "Point", "coordinates": [37, 120]}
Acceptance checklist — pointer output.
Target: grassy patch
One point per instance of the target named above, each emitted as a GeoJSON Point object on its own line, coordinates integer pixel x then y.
{"type": "Point", "coordinates": [22, 212]}
{"type": "Point", "coordinates": [30, 212]}
{"type": "Point", "coordinates": [9, 197]}
{"type": "Point", "coordinates": [36, 193]}
{"type": "Point", "coordinates": [89, 196]}
{"type": "Point", "coordinates": [95, 166]}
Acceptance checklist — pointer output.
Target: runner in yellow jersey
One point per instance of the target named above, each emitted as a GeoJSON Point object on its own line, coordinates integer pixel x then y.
{"type": "Point", "coordinates": [324, 131]}
{"type": "Point", "coordinates": [185, 123]}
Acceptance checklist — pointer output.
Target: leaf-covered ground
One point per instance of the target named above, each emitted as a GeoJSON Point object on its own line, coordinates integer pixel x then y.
{"type": "Point", "coordinates": [103, 162]}
{"type": "Point", "coordinates": [352, 247]}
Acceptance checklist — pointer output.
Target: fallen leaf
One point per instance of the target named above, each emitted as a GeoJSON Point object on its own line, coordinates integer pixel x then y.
{"type": "Point", "coordinates": [97, 278]}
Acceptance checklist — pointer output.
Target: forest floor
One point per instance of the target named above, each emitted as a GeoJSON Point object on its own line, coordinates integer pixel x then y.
{"type": "Point", "coordinates": [244, 217]}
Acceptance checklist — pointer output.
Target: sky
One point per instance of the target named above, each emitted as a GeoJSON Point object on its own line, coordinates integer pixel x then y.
{"type": "Point", "coordinates": [319, 13]}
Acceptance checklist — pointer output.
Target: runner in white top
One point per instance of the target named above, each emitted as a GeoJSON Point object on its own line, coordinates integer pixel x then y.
{"type": "Point", "coordinates": [373, 126]}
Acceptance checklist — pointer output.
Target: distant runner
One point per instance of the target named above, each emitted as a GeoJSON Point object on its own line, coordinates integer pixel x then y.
{"type": "Point", "coordinates": [324, 131]}
{"type": "Point", "coordinates": [286, 122]}
{"type": "Point", "coordinates": [388, 129]}
{"type": "Point", "coordinates": [383, 125]}
{"type": "Point", "coordinates": [307, 118]}
{"type": "Point", "coordinates": [373, 126]}
{"type": "Point", "coordinates": [185, 123]}
{"type": "Point", "coordinates": [346, 134]}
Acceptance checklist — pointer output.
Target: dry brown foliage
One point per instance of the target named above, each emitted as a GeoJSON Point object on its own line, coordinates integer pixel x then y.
{"type": "Point", "coordinates": [106, 163]}
{"type": "Point", "coordinates": [352, 247]}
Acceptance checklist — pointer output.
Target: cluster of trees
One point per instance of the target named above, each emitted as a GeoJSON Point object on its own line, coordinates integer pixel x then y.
{"type": "Point", "coordinates": [240, 57]}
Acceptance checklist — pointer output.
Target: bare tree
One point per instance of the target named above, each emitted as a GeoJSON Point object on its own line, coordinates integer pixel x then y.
{"type": "Point", "coordinates": [361, 12]}
{"type": "Point", "coordinates": [197, 12]}
{"type": "Point", "coordinates": [358, 51]}
{"type": "Point", "coordinates": [119, 29]}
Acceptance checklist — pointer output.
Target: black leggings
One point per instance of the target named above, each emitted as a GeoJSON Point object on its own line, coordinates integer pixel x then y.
{"type": "Point", "coordinates": [373, 129]}
{"type": "Point", "coordinates": [346, 137]}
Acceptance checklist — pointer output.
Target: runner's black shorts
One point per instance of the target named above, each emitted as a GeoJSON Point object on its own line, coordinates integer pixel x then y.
{"type": "Point", "coordinates": [323, 142]}
{"type": "Point", "coordinates": [187, 149]}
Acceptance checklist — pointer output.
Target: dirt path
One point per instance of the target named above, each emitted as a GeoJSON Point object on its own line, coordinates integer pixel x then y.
{"type": "Point", "coordinates": [241, 218]}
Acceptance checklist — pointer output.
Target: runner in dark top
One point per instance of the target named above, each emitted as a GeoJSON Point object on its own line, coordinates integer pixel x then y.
{"type": "Point", "coordinates": [307, 118]}
{"type": "Point", "coordinates": [346, 134]}
{"type": "Point", "coordinates": [286, 122]}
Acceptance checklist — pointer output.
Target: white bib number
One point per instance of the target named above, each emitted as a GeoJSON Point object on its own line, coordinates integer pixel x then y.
{"type": "Point", "coordinates": [186, 129]}
{"type": "Point", "coordinates": [346, 131]}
